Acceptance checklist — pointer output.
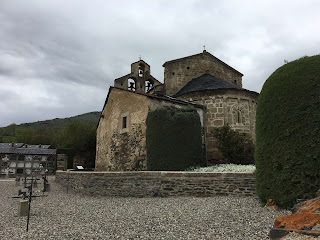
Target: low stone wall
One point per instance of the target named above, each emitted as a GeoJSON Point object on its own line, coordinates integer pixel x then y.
{"type": "Point", "coordinates": [145, 183]}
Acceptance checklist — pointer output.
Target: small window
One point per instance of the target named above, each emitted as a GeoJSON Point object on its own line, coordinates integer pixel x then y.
{"type": "Point", "coordinates": [141, 70]}
{"type": "Point", "coordinates": [188, 67]}
{"type": "Point", "coordinates": [235, 81]}
{"type": "Point", "coordinates": [239, 117]}
{"type": "Point", "coordinates": [124, 122]}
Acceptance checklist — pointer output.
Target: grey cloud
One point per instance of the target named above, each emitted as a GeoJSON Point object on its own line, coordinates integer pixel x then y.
{"type": "Point", "coordinates": [70, 46]}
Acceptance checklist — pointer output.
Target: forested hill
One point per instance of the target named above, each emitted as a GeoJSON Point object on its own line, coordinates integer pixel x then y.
{"type": "Point", "coordinates": [91, 117]}
{"type": "Point", "coordinates": [43, 132]}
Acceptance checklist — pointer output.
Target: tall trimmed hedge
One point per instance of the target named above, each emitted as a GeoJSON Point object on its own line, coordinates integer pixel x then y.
{"type": "Point", "coordinates": [287, 151]}
{"type": "Point", "coordinates": [173, 139]}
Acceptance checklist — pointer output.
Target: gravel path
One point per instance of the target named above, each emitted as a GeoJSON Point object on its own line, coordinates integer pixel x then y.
{"type": "Point", "coordinates": [73, 216]}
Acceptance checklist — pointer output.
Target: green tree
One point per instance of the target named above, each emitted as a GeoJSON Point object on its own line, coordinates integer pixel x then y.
{"type": "Point", "coordinates": [236, 147]}
{"type": "Point", "coordinates": [80, 138]}
{"type": "Point", "coordinates": [25, 135]}
{"type": "Point", "coordinates": [10, 130]}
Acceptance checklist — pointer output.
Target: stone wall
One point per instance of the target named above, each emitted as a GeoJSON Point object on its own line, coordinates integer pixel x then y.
{"type": "Point", "coordinates": [62, 162]}
{"type": "Point", "coordinates": [147, 184]}
{"type": "Point", "coordinates": [179, 72]}
{"type": "Point", "coordinates": [118, 147]}
{"type": "Point", "coordinates": [233, 107]}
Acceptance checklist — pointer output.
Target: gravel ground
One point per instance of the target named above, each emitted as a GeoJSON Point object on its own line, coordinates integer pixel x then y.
{"type": "Point", "coordinates": [74, 216]}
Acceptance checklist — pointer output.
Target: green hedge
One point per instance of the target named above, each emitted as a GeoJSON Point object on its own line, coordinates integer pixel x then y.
{"type": "Point", "coordinates": [287, 151]}
{"type": "Point", "coordinates": [173, 139]}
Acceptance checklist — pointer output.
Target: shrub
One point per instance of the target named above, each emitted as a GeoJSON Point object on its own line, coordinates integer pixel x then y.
{"type": "Point", "coordinates": [287, 133]}
{"type": "Point", "coordinates": [236, 147]}
{"type": "Point", "coordinates": [174, 139]}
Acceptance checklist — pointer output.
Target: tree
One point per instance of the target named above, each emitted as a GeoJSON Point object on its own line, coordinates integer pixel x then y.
{"type": "Point", "coordinates": [236, 147]}
{"type": "Point", "coordinates": [9, 130]}
{"type": "Point", "coordinates": [25, 135]}
{"type": "Point", "coordinates": [80, 138]}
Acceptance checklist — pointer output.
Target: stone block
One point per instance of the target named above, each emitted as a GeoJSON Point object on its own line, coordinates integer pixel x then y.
{"type": "Point", "coordinates": [218, 123]}
{"type": "Point", "coordinates": [213, 110]}
{"type": "Point", "coordinates": [23, 207]}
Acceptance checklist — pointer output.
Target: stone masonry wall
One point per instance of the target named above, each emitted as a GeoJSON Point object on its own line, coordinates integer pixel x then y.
{"type": "Point", "coordinates": [148, 184]}
{"type": "Point", "coordinates": [233, 107]}
{"type": "Point", "coordinates": [178, 73]}
{"type": "Point", "coordinates": [118, 148]}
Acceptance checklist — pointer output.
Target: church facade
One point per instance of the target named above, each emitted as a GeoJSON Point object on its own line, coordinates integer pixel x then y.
{"type": "Point", "coordinates": [201, 81]}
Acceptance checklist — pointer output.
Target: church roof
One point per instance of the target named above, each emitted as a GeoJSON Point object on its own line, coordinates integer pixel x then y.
{"type": "Point", "coordinates": [199, 54]}
{"type": "Point", "coordinates": [205, 82]}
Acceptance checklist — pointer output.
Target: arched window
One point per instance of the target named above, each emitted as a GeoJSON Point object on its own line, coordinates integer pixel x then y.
{"type": "Point", "coordinates": [148, 85]}
{"type": "Point", "coordinates": [141, 70]}
{"type": "Point", "coordinates": [131, 84]}
{"type": "Point", "coordinates": [236, 115]}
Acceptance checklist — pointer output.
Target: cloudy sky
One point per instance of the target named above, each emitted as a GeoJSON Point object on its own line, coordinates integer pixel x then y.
{"type": "Point", "coordinates": [58, 58]}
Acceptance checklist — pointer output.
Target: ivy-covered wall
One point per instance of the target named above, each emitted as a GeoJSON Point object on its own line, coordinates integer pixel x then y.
{"type": "Point", "coordinates": [174, 139]}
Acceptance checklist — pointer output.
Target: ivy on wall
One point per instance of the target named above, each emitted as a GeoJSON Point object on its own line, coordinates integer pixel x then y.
{"type": "Point", "coordinates": [173, 139]}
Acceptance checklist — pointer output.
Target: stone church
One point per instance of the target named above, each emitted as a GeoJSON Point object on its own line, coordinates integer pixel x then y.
{"type": "Point", "coordinates": [201, 81]}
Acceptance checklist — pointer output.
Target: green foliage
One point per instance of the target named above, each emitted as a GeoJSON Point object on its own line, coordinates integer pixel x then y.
{"type": "Point", "coordinates": [173, 139]}
{"type": "Point", "coordinates": [9, 130]}
{"type": "Point", "coordinates": [79, 138]}
{"type": "Point", "coordinates": [287, 150]}
{"type": "Point", "coordinates": [236, 147]}
{"type": "Point", "coordinates": [43, 132]}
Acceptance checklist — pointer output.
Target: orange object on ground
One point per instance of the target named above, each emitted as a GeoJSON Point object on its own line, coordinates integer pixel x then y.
{"type": "Point", "coordinates": [306, 218]}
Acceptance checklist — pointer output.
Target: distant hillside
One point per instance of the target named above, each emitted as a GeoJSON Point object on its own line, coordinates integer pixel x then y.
{"type": "Point", "coordinates": [43, 131]}
{"type": "Point", "coordinates": [61, 122]}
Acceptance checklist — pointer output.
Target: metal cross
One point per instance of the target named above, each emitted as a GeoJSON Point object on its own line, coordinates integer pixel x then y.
{"type": "Point", "coordinates": [24, 194]}
{"type": "Point", "coordinates": [140, 57]}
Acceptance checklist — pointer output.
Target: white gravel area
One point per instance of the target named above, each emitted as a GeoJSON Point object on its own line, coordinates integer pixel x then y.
{"type": "Point", "coordinates": [74, 216]}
